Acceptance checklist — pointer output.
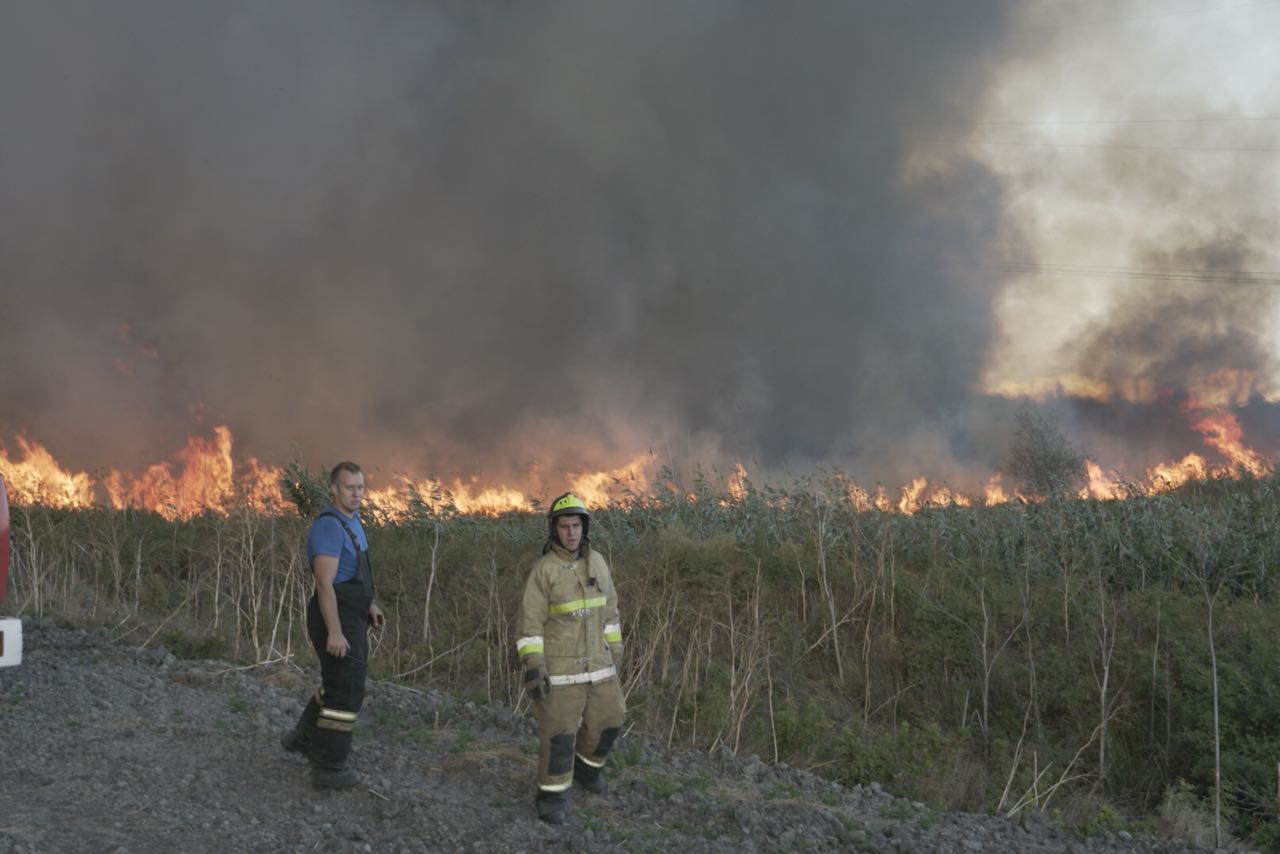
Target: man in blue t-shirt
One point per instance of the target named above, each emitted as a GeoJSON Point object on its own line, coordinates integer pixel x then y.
{"type": "Point", "coordinates": [338, 617]}
{"type": "Point", "coordinates": [329, 539]}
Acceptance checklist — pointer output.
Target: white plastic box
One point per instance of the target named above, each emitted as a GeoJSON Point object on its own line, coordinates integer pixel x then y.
{"type": "Point", "coordinates": [10, 641]}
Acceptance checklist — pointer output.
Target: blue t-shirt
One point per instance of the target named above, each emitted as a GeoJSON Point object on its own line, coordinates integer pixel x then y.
{"type": "Point", "coordinates": [328, 537]}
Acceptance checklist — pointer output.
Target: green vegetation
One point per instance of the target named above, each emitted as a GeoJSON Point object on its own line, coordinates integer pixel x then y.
{"type": "Point", "coordinates": [780, 791]}
{"type": "Point", "coordinates": [630, 754]}
{"type": "Point", "coordinates": [206, 647]}
{"type": "Point", "coordinates": [400, 730]}
{"type": "Point", "coordinates": [1064, 655]}
{"type": "Point", "coordinates": [464, 741]}
{"type": "Point", "coordinates": [898, 811]}
{"type": "Point", "coordinates": [662, 785]}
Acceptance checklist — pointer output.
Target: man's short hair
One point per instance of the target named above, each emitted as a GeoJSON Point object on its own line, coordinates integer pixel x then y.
{"type": "Point", "coordinates": [345, 465]}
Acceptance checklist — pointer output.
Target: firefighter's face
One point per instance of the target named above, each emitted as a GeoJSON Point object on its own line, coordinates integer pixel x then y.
{"type": "Point", "coordinates": [569, 532]}
{"type": "Point", "coordinates": [348, 491]}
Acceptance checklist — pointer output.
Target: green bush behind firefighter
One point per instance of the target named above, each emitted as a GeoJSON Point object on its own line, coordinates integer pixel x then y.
{"type": "Point", "coordinates": [570, 642]}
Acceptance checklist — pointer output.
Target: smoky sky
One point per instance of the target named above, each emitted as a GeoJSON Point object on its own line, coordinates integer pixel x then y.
{"type": "Point", "coordinates": [1167, 330]}
{"type": "Point", "coordinates": [1187, 339]}
{"type": "Point", "coordinates": [473, 237]}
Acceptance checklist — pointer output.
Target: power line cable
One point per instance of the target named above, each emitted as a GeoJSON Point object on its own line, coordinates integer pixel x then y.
{"type": "Point", "coordinates": [1233, 277]}
{"type": "Point", "coordinates": [1062, 122]}
{"type": "Point", "coordinates": [1144, 272]}
{"type": "Point", "coordinates": [1218, 148]}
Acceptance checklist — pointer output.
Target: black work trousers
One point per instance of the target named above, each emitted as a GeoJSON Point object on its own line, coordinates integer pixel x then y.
{"type": "Point", "coordinates": [342, 679]}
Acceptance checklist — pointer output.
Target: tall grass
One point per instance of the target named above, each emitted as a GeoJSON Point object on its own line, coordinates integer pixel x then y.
{"type": "Point", "coordinates": [1061, 656]}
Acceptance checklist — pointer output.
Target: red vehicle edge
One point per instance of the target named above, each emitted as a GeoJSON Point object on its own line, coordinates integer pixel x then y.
{"type": "Point", "coordinates": [4, 539]}
{"type": "Point", "coordinates": [10, 627]}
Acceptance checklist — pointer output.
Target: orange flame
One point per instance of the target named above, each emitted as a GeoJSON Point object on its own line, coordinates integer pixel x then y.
{"type": "Point", "coordinates": [1169, 476]}
{"type": "Point", "coordinates": [994, 492]}
{"type": "Point", "coordinates": [736, 485]}
{"type": "Point", "coordinates": [205, 481]}
{"type": "Point", "coordinates": [595, 487]}
{"type": "Point", "coordinates": [859, 499]}
{"type": "Point", "coordinates": [397, 501]}
{"type": "Point", "coordinates": [1101, 485]}
{"type": "Point", "coordinates": [204, 478]}
{"type": "Point", "coordinates": [1223, 433]}
{"type": "Point", "coordinates": [38, 479]}
{"type": "Point", "coordinates": [910, 501]}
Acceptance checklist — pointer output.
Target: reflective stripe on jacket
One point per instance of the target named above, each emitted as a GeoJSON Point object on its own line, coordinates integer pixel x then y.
{"type": "Point", "coordinates": [568, 619]}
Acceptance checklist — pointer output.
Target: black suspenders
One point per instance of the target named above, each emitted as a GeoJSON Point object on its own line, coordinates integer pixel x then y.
{"type": "Point", "coordinates": [364, 568]}
{"type": "Point", "coordinates": [350, 533]}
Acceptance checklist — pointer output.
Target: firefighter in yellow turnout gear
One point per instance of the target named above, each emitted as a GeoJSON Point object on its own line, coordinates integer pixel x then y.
{"type": "Point", "coordinates": [570, 641]}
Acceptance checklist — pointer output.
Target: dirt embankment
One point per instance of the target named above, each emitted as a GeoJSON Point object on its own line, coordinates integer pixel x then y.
{"type": "Point", "coordinates": [111, 748]}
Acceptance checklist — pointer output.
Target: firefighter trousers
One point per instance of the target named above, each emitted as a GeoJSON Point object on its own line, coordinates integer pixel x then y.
{"type": "Point", "coordinates": [329, 723]}
{"type": "Point", "coordinates": [583, 719]}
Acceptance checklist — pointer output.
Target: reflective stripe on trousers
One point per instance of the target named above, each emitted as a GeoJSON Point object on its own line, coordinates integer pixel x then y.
{"type": "Point", "coordinates": [578, 678]}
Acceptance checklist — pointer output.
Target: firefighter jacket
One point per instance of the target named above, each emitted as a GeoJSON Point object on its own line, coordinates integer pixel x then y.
{"type": "Point", "coordinates": [569, 620]}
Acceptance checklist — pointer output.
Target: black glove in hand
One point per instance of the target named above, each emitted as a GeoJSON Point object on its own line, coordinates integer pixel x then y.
{"type": "Point", "coordinates": [537, 683]}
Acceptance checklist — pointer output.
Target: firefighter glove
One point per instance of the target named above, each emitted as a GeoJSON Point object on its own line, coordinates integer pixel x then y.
{"type": "Point", "coordinates": [537, 683]}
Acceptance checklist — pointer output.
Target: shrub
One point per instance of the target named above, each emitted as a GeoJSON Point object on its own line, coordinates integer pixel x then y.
{"type": "Point", "coordinates": [1184, 815]}
{"type": "Point", "coordinates": [1042, 459]}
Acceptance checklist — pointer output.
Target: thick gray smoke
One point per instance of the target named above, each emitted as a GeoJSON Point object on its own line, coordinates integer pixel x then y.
{"type": "Point", "coordinates": [469, 237]}
{"type": "Point", "coordinates": [1199, 334]}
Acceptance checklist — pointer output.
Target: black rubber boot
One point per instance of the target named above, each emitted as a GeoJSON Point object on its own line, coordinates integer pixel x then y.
{"type": "Point", "coordinates": [334, 778]}
{"type": "Point", "coordinates": [298, 739]}
{"type": "Point", "coordinates": [589, 777]}
{"type": "Point", "coordinates": [329, 751]}
{"type": "Point", "coordinates": [553, 807]}
{"type": "Point", "coordinates": [295, 742]}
